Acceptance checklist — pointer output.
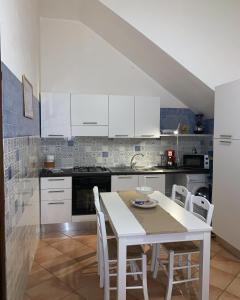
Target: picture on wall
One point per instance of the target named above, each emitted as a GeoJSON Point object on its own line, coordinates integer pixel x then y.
{"type": "Point", "coordinates": [27, 98]}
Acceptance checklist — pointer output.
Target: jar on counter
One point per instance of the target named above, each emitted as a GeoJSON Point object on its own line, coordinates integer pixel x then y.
{"type": "Point", "coordinates": [49, 162]}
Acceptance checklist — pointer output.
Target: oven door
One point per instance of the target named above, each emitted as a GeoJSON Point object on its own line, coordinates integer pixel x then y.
{"type": "Point", "coordinates": [193, 161]}
{"type": "Point", "coordinates": [82, 193]}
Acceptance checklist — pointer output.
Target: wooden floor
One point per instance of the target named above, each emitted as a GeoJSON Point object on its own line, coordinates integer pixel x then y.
{"type": "Point", "coordinates": [65, 268]}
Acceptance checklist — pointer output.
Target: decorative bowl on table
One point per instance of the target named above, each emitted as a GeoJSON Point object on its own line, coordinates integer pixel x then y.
{"type": "Point", "coordinates": [146, 190]}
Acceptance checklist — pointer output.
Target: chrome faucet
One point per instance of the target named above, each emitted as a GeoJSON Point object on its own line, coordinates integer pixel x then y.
{"type": "Point", "coordinates": [132, 163]}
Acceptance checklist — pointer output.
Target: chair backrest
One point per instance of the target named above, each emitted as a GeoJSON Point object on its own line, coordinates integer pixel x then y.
{"type": "Point", "coordinates": [96, 199]}
{"type": "Point", "coordinates": [101, 227]}
{"type": "Point", "coordinates": [181, 195]}
{"type": "Point", "coordinates": [201, 208]}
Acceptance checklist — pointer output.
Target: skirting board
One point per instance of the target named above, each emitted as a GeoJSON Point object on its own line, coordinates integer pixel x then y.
{"type": "Point", "coordinates": [228, 247]}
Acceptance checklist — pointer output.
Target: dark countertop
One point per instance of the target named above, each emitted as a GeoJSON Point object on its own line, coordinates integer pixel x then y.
{"type": "Point", "coordinates": [124, 171]}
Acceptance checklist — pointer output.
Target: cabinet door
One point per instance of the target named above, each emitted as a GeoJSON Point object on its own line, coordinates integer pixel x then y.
{"type": "Point", "coordinates": [124, 182]}
{"type": "Point", "coordinates": [121, 116]}
{"type": "Point", "coordinates": [89, 110]}
{"type": "Point", "coordinates": [147, 117]}
{"type": "Point", "coordinates": [226, 198]}
{"type": "Point", "coordinates": [55, 115]}
{"type": "Point", "coordinates": [56, 211]}
{"type": "Point", "coordinates": [227, 107]}
{"type": "Point", "coordinates": [157, 182]}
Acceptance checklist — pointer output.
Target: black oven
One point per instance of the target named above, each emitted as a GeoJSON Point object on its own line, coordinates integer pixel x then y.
{"type": "Point", "coordinates": [82, 192]}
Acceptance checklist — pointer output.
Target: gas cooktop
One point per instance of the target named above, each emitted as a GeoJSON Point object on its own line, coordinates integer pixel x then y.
{"type": "Point", "coordinates": [92, 169]}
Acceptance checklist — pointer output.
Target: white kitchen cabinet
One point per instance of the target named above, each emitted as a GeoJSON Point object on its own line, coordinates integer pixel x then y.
{"type": "Point", "coordinates": [55, 115]}
{"type": "Point", "coordinates": [56, 183]}
{"type": "Point", "coordinates": [227, 107]}
{"type": "Point", "coordinates": [121, 116]}
{"type": "Point", "coordinates": [226, 198]}
{"type": "Point", "coordinates": [124, 182]}
{"type": "Point", "coordinates": [147, 117]}
{"type": "Point", "coordinates": [89, 115]}
{"type": "Point", "coordinates": [155, 181]}
{"type": "Point", "coordinates": [59, 211]}
{"type": "Point", "coordinates": [56, 200]}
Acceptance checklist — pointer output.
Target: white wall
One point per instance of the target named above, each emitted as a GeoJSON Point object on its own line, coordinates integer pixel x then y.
{"type": "Point", "coordinates": [74, 58]}
{"type": "Point", "coordinates": [201, 35]}
{"type": "Point", "coordinates": [20, 38]}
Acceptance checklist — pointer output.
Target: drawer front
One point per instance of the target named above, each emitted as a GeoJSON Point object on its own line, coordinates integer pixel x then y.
{"type": "Point", "coordinates": [56, 183]}
{"type": "Point", "coordinates": [56, 211]}
{"type": "Point", "coordinates": [124, 182]}
{"type": "Point", "coordinates": [56, 194]}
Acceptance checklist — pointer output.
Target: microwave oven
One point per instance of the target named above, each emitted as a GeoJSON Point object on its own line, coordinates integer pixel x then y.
{"type": "Point", "coordinates": [197, 161]}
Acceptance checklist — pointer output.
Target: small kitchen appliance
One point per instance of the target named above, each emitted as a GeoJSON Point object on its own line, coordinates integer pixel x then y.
{"type": "Point", "coordinates": [196, 161]}
{"type": "Point", "coordinates": [171, 158]}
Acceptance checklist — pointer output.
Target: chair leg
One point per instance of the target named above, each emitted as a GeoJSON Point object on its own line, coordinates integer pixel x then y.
{"type": "Point", "coordinates": [133, 269]}
{"type": "Point", "coordinates": [97, 254]}
{"type": "Point", "coordinates": [153, 259]}
{"type": "Point", "coordinates": [144, 277]}
{"type": "Point", "coordinates": [180, 260]}
{"type": "Point", "coordinates": [100, 267]}
{"type": "Point", "coordinates": [170, 275]}
{"type": "Point", "coordinates": [156, 265]}
{"type": "Point", "coordinates": [189, 256]}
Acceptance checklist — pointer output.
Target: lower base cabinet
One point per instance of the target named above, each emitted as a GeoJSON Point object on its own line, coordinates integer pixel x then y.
{"type": "Point", "coordinates": [56, 200]}
{"type": "Point", "coordinates": [130, 182]}
{"type": "Point", "coordinates": [56, 211]}
{"type": "Point", "coordinates": [156, 182]}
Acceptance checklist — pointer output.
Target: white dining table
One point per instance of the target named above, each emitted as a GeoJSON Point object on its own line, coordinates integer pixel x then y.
{"type": "Point", "coordinates": [129, 231]}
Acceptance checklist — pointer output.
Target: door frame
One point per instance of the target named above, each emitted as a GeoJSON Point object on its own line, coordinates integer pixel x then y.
{"type": "Point", "coordinates": [2, 197]}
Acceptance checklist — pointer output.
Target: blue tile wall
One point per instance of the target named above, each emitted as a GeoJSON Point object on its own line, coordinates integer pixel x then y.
{"type": "Point", "coordinates": [14, 122]}
{"type": "Point", "coordinates": [209, 126]}
{"type": "Point", "coordinates": [171, 117]}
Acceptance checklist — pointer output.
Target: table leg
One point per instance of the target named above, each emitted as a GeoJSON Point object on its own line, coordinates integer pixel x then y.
{"type": "Point", "coordinates": [122, 258]}
{"type": "Point", "coordinates": [204, 269]}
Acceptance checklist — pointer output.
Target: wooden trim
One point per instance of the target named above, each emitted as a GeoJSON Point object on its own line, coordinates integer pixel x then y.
{"type": "Point", "coordinates": [2, 201]}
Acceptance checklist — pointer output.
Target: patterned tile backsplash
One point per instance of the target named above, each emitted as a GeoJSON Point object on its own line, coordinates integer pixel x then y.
{"type": "Point", "coordinates": [114, 152]}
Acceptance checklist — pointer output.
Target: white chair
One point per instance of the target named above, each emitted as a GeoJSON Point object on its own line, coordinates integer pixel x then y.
{"type": "Point", "coordinates": [109, 258]}
{"type": "Point", "coordinates": [181, 196]}
{"type": "Point", "coordinates": [109, 234]}
{"type": "Point", "coordinates": [203, 209]}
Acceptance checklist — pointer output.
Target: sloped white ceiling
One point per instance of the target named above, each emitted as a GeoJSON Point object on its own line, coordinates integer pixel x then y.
{"type": "Point", "coordinates": [201, 35]}
{"type": "Point", "coordinates": [138, 48]}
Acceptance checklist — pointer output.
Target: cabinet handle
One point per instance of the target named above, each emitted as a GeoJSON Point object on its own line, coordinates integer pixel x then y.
{"type": "Point", "coordinates": [55, 135]}
{"type": "Point", "coordinates": [55, 203]}
{"type": "Point", "coordinates": [124, 177]}
{"type": "Point", "coordinates": [56, 191]}
{"type": "Point", "coordinates": [58, 179]}
{"type": "Point", "coordinates": [119, 135]}
{"type": "Point", "coordinates": [90, 123]}
{"type": "Point", "coordinates": [151, 177]}
{"type": "Point", "coordinates": [226, 136]}
{"type": "Point", "coordinates": [147, 135]}
{"type": "Point", "coordinates": [225, 142]}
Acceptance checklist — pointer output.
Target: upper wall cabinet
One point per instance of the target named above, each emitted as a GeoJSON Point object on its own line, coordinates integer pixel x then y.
{"type": "Point", "coordinates": [227, 107]}
{"type": "Point", "coordinates": [121, 116]}
{"type": "Point", "coordinates": [55, 115]}
{"type": "Point", "coordinates": [89, 115]}
{"type": "Point", "coordinates": [147, 117]}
